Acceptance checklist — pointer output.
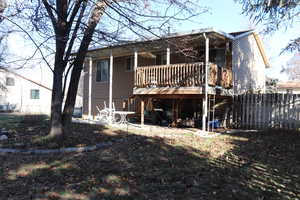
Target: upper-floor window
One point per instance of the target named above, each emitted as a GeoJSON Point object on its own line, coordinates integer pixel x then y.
{"type": "Point", "coordinates": [102, 71]}
{"type": "Point", "coordinates": [34, 94]}
{"type": "Point", "coordinates": [10, 81]}
{"type": "Point", "coordinates": [129, 64]}
{"type": "Point", "coordinates": [161, 59]}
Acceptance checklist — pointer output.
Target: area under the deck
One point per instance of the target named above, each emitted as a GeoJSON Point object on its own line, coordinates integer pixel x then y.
{"type": "Point", "coordinates": [180, 110]}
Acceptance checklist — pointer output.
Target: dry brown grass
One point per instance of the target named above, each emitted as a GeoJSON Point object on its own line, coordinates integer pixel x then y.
{"type": "Point", "coordinates": [156, 165]}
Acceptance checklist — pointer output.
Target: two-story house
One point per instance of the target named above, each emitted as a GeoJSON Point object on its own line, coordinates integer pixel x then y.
{"type": "Point", "coordinates": [176, 76]}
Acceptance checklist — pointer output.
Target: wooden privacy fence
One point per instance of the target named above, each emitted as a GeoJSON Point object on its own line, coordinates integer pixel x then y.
{"type": "Point", "coordinates": [261, 111]}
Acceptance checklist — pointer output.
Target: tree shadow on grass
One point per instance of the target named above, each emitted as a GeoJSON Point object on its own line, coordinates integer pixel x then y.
{"type": "Point", "coordinates": [141, 167]}
{"type": "Point", "coordinates": [270, 161]}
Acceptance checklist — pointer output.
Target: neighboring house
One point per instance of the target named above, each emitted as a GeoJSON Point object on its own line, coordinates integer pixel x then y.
{"type": "Point", "coordinates": [169, 74]}
{"type": "Point", "coordinates": [23, 94]}
{"type": "Point", "coordinates": [290, 87]}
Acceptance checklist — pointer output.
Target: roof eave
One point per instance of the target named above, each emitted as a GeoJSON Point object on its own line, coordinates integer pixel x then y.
{"type": "Point", "coordinates": [261, 49]}
{"type": "Point", "coordinates": [181, 34]}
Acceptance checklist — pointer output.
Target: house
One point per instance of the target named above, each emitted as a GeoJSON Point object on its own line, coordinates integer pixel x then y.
{"type": "Point", "coordinates": [19, 93]}
{"type": "Point", "coordinates": [27, 94]}
{"type": "Point", "coordinates": [290, 87]}
{"type": "Point", "coordinates": [168, 75]}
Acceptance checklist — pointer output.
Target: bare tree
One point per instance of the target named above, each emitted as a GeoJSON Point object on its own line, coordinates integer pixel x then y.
{"type": "Point", "coordinates": [2, 34]}
{"type": "Point", "coordinates": [63, 27]}
{"type": "Point", "coordinates": [271, 85]}
{"type": "Point", "coordinates": [2, 7]}
{"type": "Point", "coordinates": [293, 68]}
{"type": "Point", "coordinates": [275, 15]}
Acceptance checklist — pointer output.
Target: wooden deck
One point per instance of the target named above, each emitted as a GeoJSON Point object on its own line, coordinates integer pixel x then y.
{"type": "Point", "coordinates": [180, 79]}
{"type": "Point", "coordinates": [166, 90]}
{"type": "Point", "coordinates": [180, 91]}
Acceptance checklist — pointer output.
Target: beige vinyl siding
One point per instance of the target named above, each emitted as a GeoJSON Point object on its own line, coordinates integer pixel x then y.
{"type": "Point", "coordinates": [248, 66]}
{"type": "Point", "coordinates": [122, 84]}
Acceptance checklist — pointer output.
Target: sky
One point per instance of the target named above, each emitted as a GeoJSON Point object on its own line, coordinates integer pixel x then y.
{"type": "Point", "coordinates": [226, 17]}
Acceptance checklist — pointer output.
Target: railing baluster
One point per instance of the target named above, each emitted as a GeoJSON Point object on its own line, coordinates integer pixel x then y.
{"type": "Point", "coordinates": [146, 76]}
{"type": "Point", "coordinates": [181, 75]}
{"type": "Point", "coordinates": [189, 74]}
{"type": "Point", "coordinates": [171, 76]}
{"type": "Point", "coordinates": [162, 76]}
{"type": "Point", "coordinates": [184, 76]}
{"type": "Point", "coordinates": [157, 76]}
{"type": "Point", "coordinates": [178, 75]}
{"type": "Point", "coordinates": [193, 72]}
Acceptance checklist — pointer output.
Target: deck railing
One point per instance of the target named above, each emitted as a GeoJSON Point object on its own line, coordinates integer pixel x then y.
{"type": "Point", "coordinates": [174, 75]}
{"type": "Point", "coordinates": [180, 75]}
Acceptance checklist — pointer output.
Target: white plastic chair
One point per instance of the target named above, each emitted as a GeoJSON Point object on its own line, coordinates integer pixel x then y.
{"type": "Point", "coordinates": [103, 114]}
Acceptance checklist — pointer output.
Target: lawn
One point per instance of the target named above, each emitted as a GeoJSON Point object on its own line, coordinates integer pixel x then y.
{"type": "Point", "coordinates": [157, 165]}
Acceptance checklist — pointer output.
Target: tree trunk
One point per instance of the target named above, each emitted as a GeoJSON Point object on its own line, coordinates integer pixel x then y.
{"type": "Point", "coordinates": [56, 106]}
{"type": "Point", "coordinates": [71, 96]}
{"type": "Point", "coordinates": [78, 63]}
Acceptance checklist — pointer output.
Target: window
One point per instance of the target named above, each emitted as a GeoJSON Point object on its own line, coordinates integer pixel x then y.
{"type": "Point", "coordinates": [102, 71]}
{"type": "Point", "coordinates": [129, 64]}
{"type": "Point", "coordinates": [289, 91]}
{"type": "Point", "coordinates": [10, 81]}
{"type": "Point", "coordinates": [161, 59]}
{"type": "Point", "coordinates": [34, 94]}
{"type": "Point", "coordinates": [217, 56]}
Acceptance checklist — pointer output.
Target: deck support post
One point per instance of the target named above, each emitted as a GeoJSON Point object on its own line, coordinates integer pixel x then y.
{"type": "Point", "coordinates": [168, 55]}
{"type": "Point", "coordinates": [142, 111]}
{"type": "Point", "coordinates": [111, 64]}
{"type": "Point", "coordinates": [204, 110]}
{"type": "Point", "coordinates": [90, 88]}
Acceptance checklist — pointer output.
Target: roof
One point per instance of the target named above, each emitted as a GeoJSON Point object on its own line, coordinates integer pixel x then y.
{"type": "Point", "coordinates": [23, 77]}
{"type": "Point", "coordinates": [32, 81]}
{"type": "Point", "coordinates": [235, 34]}
{"type": "Point", "coordinates": [212, 31]}
{"type": "Point", "coordinates": [289, 85]}
{"type": "Point", "coordinates": [172, 35]}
